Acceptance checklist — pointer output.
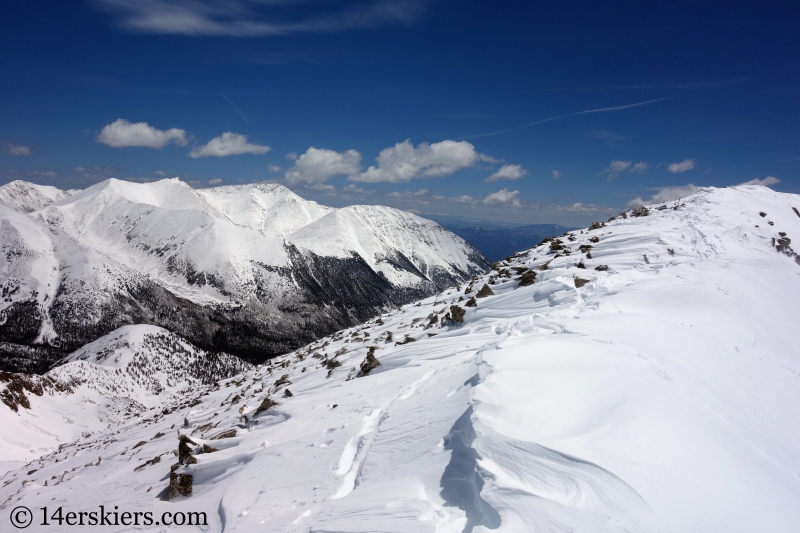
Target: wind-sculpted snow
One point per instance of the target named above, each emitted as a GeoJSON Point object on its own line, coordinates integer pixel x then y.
{"type": "Point", "coordinates": [224, 268]}
{"type": "Point", "coordinates": [657, 394]}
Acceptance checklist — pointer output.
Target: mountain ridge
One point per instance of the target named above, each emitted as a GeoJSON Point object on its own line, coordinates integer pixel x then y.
{"type": "Point", "coordinates": [169, 255]}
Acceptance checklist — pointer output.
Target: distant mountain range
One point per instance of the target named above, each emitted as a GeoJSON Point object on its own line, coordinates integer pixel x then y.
{"type": "Point", "coordinates": [251, 270]}
{"type": "Point", "coordinates": [498, 240]}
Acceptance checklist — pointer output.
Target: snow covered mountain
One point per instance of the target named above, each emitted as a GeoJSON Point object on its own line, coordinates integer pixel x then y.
{"type": "Point", "coordinates": [640, 375]}
{"type": "Point", "coordinates": [252, 270]}
{"type": "Point", "coordinates": [113, 378]}
{"type": "Point", "coordinates": [27, 197]}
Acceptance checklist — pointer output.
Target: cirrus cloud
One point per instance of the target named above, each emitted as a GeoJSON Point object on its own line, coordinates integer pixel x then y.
{"type": "Point", "coordinates": [405, 162]}
{"type": "Point", "coordinates": [318, 165]}
{"type": "Point", "coordinates": [507, 172]}
{"type": "Point", "coordinates": [227, 144]}
{"type": "Point", "coordinates": [123, 134]}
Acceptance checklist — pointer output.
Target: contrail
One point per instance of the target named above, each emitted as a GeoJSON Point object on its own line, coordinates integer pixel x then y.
{"type": "Point", "coordinates": [601, 110]}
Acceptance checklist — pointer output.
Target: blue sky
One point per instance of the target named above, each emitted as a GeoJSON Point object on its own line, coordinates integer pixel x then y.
{"type": "Point", "coordinates": [439, 96]}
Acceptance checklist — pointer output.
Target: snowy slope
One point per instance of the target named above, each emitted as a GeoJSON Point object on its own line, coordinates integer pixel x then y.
{"type": "Point", "coordinates": [220, 267]}
{"type": "Point", "coordinates": [28, 197]}
{"type": "Point", "coordinates": [658, 394]}
{"type": "Point", "coordinates": [269, 208]}
{"type": "Point", "coordinates": [111, 379]}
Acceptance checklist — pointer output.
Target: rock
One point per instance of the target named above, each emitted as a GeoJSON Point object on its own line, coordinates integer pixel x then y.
{"type": "Point", "coordinates": [266, 403]}
{"type": "Point", "coordinates": [782, 233]}
{"type": "Point", "coordinates": [641, 211]}
{"type": "Point", "coordinates": [288, 393]}
{"type": "Point", "coordinates": [140, 443]}
{"type": "Point", "coordinates": [370, 362]}
{"type": "Point", "coordinates": [671, 251]}
{"type": "Point", "coordinates": [185, 449]}
{"type": "Point", "coordinates": [283, 380]}
{"type": "Point", "coordinates": [585, 248]}
{"type": "Point", "coordinates": [796, 212]}
{"type": "Point", "coordinates": [580, 282]}
{"type": "Point", "coordinates": [624, 214]}
{"type": "Point", "coordinates": [331, 364]}
{"type": "Point", "coordinates": [457, 313]}
{"type": "Point", "coordinates": [581, 265]}
{"type": "Point", "coordinates": [646, 260]}
{"type": "Point", "coordinates": [496, 264]}
{"type": "Point", "coordinates": [471, 302]}
{"type": "Point", "coordinates": [763, 214]}
{"type": "Point", "coordinates": [406, 340]}
{"type": "Point", "coordinates": [180, 485]}
{"type": "Point", "coordinates": [209, 449]}
{"type": "Point", "coordinates": [588, 255]}
{"type": "Point", "coordinates": [527, 278]}
{"type": "Point", "coordinates": [484, 292]}
{"type": "Point", "coordinates": [596, 225]}
{"type": "Point", "coordinates": [555, 245]}
{"type": "Point", "coordinates": [601, 268]}
{"type": "Point", "coordinates": [594, 239]}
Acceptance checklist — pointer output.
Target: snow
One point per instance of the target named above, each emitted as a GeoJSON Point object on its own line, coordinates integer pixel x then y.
{"type": "Point", "coordinates": [231, 239]}
{"type": "Point", "coordinates": [27, 197]}
{"type": "Point", "coordinates": [661, 395]}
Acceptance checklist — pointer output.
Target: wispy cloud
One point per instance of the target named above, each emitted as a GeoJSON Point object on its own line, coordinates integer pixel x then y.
{"type": "Point", "coordinates": [235, 108]}
{"type": "Point", "coordinates": [256, 18]}
{"type": "Point", "coordinates": [227, 144]}
{"type": "Point", "coordinates": [618, 166]}
{"type": "Point", "coordinates": [122, 134]}
{"type": "Point", "coordinates": [18, 149]}
{"type": "Point", "coordinates": [683, 166]}
{"type": "Point", "coordinates": [766, 182]}
{"type": "Point", "coordinates": [215, 182]}
{"type": "Point", "coordinates": [588, 111]}
{"type": "Point", "coordinates": [667, 194]}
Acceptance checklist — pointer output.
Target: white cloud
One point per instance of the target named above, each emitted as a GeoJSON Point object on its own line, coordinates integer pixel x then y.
{"type": "Point", "coordinates": [507, 172]}
{"type": "Point", "coordinates": [18, 149]}
{"type": "Point", "coordinates": [503, 197]}
{"type": "Point", "coordinates": [357, 190]}
{"type": "Point", "coordinates": [403, 162]}
{"type": "Point", "coordinates": [250, 18]}
{"type": "Point", "coordinates": [291, 156]}
{"type": "Point", "coordinates": [159, 173]}
{"type": "Point", "coordinates": [121, 134]}
{"type": "Point", "coordinates": [616, 167]}
{"type": "Point", "coordinates": [766, 182]}
{"type": "Point", "coordinates": [465, 199]}
{"type": "Point", "coordinates": [556, 174]}
{"type": "Point", "coordinates": [683, 166]}
{"type": "Point", "coordinates": [409, 194]}
{"type": "Point", "coordinates": [322, 187]}
{"type": "Point", "coordinates": [667, 194]}
{"type": "Point", "coordinates": [215, 181]}
{"type": "Point", "coordinates": [318, 165]}
{"type": "Point", "coordinates": [274, 168]}
{"type": "Point", "coordinates": [228, 143]}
